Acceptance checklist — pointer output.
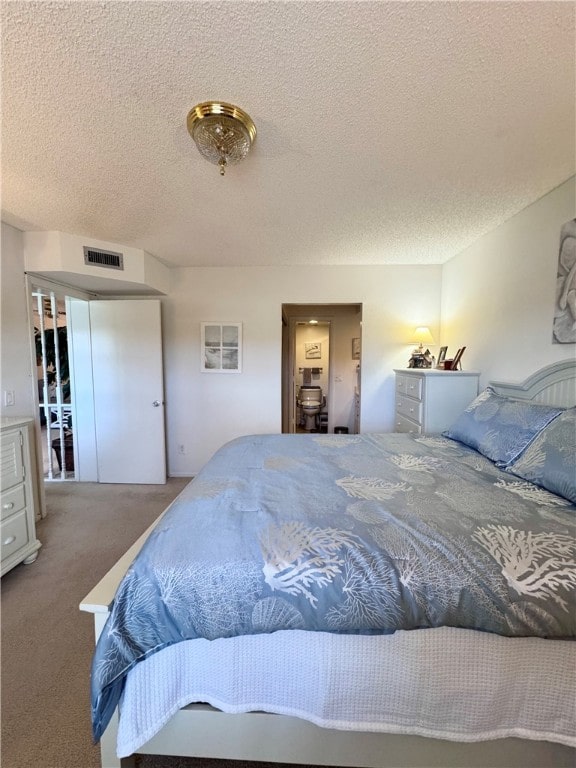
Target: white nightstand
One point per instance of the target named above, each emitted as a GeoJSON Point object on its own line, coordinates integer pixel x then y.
{"type": "Point", "coordinates": [429, 400]}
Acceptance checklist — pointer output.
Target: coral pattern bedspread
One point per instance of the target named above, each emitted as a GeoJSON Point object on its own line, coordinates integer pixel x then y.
{"type": "Point", "coordinates": [362, 534]}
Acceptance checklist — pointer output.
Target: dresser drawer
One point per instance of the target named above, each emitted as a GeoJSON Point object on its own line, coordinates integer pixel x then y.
{"type": "Point", "coordinates": [12, 501]}
{"type": "Point", "coordinates": [406, 406]}
{"type": "Point", "coordinates": [401, 383]}
{"type": "Point", "coordinates": [403, 424]}
{"type": "Point", "coordinates": [14, 534]}
{"type": "Point", "coordinates": [11, 464]}
{"type": "Point", "coordinates": [414, 387]}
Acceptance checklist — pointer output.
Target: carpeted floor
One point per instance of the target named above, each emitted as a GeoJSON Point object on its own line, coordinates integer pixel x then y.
{"type": "Point", "coordinates": [47, 642]}
{"type": "Point", "coordinates": [151, 761]}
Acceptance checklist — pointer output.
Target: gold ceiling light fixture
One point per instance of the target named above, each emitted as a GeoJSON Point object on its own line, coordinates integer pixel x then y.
{"type": "Point", "coordinates": [223, 133]}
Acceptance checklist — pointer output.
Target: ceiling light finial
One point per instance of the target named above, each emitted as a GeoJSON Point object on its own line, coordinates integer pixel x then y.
{"type": "Point", "coordinates": [223, 133]}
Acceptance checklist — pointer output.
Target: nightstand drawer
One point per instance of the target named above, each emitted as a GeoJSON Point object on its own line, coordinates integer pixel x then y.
{"type": "Point", "coordinates": [14, 534]}
{"type": "Point", "coordinates": [402, 424]}
{"type": "Point", "coordinates": [406, 406]}
{"type": "Point", "coordinates": [12, 501]}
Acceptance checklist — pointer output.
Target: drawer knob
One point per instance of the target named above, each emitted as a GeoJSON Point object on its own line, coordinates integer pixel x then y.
{"type": "Point", "coordinates": [9, 540]}
{"type": "Point", "coordinates": [8, 505]}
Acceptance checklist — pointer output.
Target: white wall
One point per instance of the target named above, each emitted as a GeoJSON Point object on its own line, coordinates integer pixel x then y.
{"type": "Point", "coordinates": [205, 410]}
{"type": "Point", "coordinates": [319, 334]}
{"type": "Point", "coordinates": [313, 334]}
{"type": "Point", "coordinates": [345, 377]}
{"type": "Point", "coordinates": [498, 295]}
{"type": "Point", "coordinates": [17, 360]}
{"type": "Point", "coordinates": [17, 367]}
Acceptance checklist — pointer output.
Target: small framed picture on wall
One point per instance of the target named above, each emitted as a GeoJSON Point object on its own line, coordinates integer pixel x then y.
{"type": "Point", "coordinates": [221, 347]}
{"type": "Point", "coordinates": [313, 350]}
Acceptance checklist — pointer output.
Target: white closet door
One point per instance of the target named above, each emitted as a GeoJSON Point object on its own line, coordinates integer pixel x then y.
{"type": "Point", "coordinates": [128, 391]}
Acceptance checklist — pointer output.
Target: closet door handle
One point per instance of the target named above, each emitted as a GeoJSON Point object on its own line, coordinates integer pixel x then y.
{"type": "Point", "coordinates": [157, 403]}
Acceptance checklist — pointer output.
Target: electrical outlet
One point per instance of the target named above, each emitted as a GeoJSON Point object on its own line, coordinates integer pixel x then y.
{"type": "Point", "coordinates": [182, 449]}
{"type": "Point", "coordinates": [8, 397]}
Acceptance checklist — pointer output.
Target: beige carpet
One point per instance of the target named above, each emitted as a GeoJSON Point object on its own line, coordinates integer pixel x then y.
{"type": "Point", "coordinates": [47, 642]}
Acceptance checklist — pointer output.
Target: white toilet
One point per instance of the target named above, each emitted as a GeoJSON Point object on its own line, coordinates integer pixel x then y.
{"type": "Point", "coordinates": [311, 401]}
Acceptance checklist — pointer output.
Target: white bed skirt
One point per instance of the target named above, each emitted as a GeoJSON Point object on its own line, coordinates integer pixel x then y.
{"type": "Point", "coordinates": [453, 684]}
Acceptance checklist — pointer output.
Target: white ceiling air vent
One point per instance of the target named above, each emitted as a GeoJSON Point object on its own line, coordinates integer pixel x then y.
{"type": "Point", "coordinates": [107, 259]}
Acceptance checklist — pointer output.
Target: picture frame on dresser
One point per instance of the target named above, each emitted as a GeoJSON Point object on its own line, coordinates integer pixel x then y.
{"type": "Point", "coordinates": [441, 357]}
{"type": "Point", "coordinates": [458, 358]}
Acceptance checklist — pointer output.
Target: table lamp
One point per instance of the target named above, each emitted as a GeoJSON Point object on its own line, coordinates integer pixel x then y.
{"type": "Point", "coordinates": [421, 336]}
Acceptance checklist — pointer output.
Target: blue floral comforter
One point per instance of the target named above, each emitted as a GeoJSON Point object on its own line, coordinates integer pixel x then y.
{"type": "Point", "coordinates": [343, 533]}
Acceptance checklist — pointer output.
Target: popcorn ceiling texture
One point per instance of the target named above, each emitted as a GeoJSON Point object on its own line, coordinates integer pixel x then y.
{"type": "Point", "coordinates": [388, 132]}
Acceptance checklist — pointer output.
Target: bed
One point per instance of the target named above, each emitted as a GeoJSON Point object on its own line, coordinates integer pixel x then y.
{"type": "Point", "coordinates": [415, 607]}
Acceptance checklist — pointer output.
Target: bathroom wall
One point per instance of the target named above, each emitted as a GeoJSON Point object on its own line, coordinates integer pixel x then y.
{"type": "Point", "coordinates": [344, 370]}
{"type": "Point", "coordinates": [317, 337]}
{"type": "Point", "coordinates": [313, 334]}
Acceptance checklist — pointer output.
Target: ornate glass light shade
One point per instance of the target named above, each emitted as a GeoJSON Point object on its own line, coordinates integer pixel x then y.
{"type": "Point", "coordinates": [222, 132]}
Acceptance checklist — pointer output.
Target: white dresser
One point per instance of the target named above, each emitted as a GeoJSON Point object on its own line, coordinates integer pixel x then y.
{"type": "Point", "coordinates": [429, 400]}
{"type": "Point", "coordinates": [18, 493]}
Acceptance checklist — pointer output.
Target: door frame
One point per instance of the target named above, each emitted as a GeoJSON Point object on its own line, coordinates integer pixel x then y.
{"type": "Point", "coordinates": [63, 292]}
{"type": "Point", "coordinates": [128, 374]}
{"type": "Point", "coordinates": [81, 380]}
{"type": "Point", "coordinates": [293, 322]}
{"type": "Point", "coordinates": [293, 313]}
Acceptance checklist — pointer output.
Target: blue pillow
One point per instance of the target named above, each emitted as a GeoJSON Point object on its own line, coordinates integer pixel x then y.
{"type": "Point", "coordinates": [499, 427]}
{"type": "Point", "coordinates": [550, 459]}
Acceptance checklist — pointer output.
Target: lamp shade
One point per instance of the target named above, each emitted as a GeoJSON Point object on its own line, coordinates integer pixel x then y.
{"type": "Point", "coordinates": [422, 336]}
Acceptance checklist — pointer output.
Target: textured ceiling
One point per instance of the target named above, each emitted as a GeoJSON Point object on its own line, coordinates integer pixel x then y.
{"type": "Point", "coordinates": [388, 132]}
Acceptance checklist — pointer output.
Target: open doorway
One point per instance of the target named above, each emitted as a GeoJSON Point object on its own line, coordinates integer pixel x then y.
{"type": "Point", "coordinates": [96, 426]}
{"type": "Point", "coordinates": [53, 374]}
{"type": "Point", "coordinates": [321, 367]}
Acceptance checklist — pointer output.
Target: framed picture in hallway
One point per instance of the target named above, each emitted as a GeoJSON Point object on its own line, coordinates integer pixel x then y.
{"type": "Point", "coordinates": [313, 350]}
{"type": "Point", "coordinates": [220, 347]}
